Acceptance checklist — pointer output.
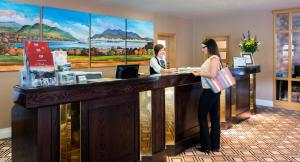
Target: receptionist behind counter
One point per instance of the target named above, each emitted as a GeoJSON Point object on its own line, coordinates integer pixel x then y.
{"type": "Point", "coordinates": [158, 63]}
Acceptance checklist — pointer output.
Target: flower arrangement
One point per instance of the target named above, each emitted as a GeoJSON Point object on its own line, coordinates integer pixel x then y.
{"type": "Point", "coordinates": [249, 44]}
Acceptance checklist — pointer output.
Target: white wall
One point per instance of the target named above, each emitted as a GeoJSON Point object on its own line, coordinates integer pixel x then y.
{"type": "Point", "coordinates": [163, 23]}
{"type": "Point", "coordinates": [259, 23]}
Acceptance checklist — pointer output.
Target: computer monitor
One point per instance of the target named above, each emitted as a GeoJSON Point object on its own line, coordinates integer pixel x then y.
{"type": "Point", "coordinates": [296, 71]}
{"type": "Point", "coordinates": [127, 71]}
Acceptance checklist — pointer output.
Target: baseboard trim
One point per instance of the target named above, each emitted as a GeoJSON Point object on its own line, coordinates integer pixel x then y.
{"type": "Point", "coordinates": [5, 133]}
{"type": "Point", "coordinates": [264, 102]}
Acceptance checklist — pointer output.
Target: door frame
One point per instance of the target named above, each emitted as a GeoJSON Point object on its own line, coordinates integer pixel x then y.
{"type": "Point", "coordinates": [229, 56]}
{"type": "Point", "coordinates": [171, 49]}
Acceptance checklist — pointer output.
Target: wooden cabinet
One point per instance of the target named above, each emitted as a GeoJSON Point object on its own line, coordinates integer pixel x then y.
{"type": "Point", "coordinates": [287, 58]}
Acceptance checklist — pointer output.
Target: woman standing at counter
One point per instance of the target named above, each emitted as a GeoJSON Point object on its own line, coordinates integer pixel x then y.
{"type": "Point", "coordinates": [158, 63]}
{"type": "Point", "coordinates": [209, 101]}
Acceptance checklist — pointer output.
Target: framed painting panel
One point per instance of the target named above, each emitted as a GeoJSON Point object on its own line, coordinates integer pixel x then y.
{"type": "Point", "coordinates": [18, 22]}
{"type": "Point", "coordinates": [108, 36]}
{"type": "Point", "coordinates": [68, 30]}
{"type": "Point", "coordinates": [139, 41]}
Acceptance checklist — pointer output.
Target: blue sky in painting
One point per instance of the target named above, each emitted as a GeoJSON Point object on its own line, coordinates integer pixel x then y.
{"type": "Point", "coordinates": [142, 28]}
{"type": "Point", "coordinates": [23, 14]}
{"type": "Point", "coordinates": [100, 23]}
{"type": "Point", "coordinates": [74, 22]}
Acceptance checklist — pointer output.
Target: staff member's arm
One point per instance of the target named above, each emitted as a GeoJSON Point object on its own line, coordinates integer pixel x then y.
{"type": "Point", "coordinates": [157, 68]}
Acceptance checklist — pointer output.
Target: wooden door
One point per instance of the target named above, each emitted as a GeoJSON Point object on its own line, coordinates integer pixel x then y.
{"type": "Point", "coordinates": [169, 41]}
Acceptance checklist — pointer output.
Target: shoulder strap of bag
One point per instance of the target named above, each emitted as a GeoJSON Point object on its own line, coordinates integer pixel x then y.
{"type": "Point", "coordinates": [221, 66]}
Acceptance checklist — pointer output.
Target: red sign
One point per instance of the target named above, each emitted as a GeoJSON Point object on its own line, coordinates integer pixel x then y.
{"type": "Point", "coordinates": [38, 55]}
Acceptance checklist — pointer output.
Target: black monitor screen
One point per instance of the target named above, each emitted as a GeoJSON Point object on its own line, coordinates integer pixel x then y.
{"type": "Point", "coordinates": [127, 71]}
{"type": "Point", "coordinates": [297, 71]}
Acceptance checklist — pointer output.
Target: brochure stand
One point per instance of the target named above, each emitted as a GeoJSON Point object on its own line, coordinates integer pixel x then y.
{"type": "Point", "coordinates": [39, 68]}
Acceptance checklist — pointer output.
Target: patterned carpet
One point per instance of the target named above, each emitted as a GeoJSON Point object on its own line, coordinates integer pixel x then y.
{"type": "Point", "coordinates": [271, 135]}
{"type": "Point", "coordinates": [5, 150]}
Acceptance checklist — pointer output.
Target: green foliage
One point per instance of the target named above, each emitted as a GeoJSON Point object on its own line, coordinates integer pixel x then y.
{"type": "Point", "coordinates": [110, 53]}
{"type": "Point", "coordinates": [249, 44]}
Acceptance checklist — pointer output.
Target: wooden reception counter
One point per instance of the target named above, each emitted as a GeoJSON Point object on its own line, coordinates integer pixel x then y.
{"type": "Point", "coordinates": [109, 117]}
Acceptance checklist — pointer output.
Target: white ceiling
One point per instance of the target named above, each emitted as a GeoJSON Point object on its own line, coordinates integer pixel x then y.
{"type": "Point", "coordinates": [203, 8]}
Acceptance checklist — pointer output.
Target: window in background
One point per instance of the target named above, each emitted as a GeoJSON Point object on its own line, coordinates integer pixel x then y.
{"type": "Point", "coordinates": [163, 42]}
{"type": "Point", "coordinates": [287, 58]}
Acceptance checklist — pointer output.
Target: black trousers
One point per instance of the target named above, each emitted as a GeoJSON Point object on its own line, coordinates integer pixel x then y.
{"type": "Point", "coordinates": [209, 103]}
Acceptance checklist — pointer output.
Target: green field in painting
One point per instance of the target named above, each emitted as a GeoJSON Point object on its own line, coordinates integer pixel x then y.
{"type": "Point", "coordinates": [19, 59]}
{"type": "Point", "coordinates": [139, 57]}
{"type": "Point", "coordinates": [12, 59]}
{"type": "Point", "coordinates": [78, 58]}
{"type": "Point", "coordinates": [122, 58]}
{"type": "Point", "coordinates": [108, 58]}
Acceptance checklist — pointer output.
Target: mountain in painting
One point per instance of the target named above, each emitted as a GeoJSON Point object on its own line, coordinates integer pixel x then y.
{"type": "Point", "coordinates": [119, 34]}
{"type": "Point", "coordinates": [29, 30]}
{"type": "Point", "coordinates": [54, 33]}
{"type": "Point", "coordinates": [49, 33]}
{"type": "Point", "coordinates": [111, 34]}
{"type": "Point", "coordinates": [10, 26]}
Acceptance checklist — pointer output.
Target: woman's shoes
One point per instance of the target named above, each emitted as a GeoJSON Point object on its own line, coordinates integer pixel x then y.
{"type": "Point", "coordinates": [203, 150]}
{"type": "Point", "coordinates": [215, 150]}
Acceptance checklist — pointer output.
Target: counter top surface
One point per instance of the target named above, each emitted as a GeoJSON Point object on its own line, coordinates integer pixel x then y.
{"type": "Point", "coordinates": [239, 71]}
{"type": "Point", "coordinates": [94, 82]}
{"type": "Point", "coordinates": [98, 88]}
{"type": "Point", "coordinates": [103, 87]}
{"type": "Point", "coordinates": [235, 71]}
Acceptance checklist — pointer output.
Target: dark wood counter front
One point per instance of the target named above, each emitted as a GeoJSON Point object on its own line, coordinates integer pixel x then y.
{"type": "Point", "coordinates": [243, 96]}
{"type": "Point", "coordinates": [109, 118]}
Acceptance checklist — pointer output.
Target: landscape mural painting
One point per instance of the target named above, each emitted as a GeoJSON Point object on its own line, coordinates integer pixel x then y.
{"type": "Point", "coordinates": [108, 36]}
{"type": "Point", "coordinates": [18, 22]}
{"type": "Point", "coordinates": [114, 40]}
{"type": "Point", "coordinates": [67, 30]}
{"type": "Point", "coordinates": [139, 42]}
